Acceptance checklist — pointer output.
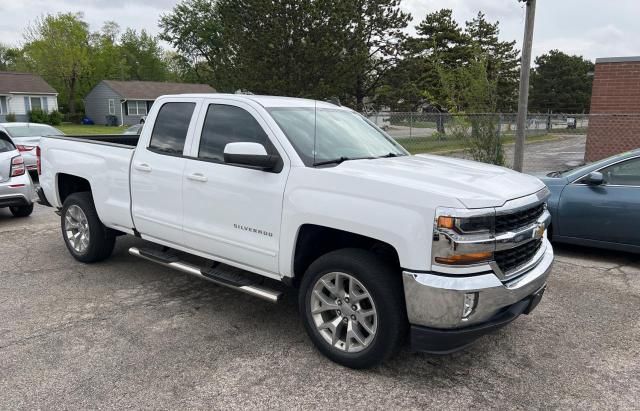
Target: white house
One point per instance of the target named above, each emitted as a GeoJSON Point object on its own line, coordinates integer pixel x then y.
{"type": "Point", "coordinates": [23, 92]}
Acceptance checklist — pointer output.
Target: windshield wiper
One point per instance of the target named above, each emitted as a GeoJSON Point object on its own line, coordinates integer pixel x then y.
{"type": "Point", "coordinates": [391, 155]}
{"type": "Point", "coordinates": [340, 160]}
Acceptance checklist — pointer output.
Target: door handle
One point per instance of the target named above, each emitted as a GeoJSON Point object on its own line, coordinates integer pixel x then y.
{"type": "Point", "coordinates": [198, 177]}
{"type": "Point", "coordinates": [142, 167]}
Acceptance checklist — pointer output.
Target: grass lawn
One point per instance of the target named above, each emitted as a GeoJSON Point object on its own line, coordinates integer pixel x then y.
{"type": "Point", "coordinates": [432, 145]}
{"type": "Point", "coordinates": [80, 129]}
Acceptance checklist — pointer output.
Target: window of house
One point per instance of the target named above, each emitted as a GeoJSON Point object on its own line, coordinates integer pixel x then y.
{"type": "Point", "coordinates": [36, 103]}
{"type": "Point", "coordinates": [112, 106]}
{"type": "Point", "coordinates": [170, 128]}
{"type": "Point", "coordinates": [229, 124]}
{"type": "Point", "coordinates": [137, 108]}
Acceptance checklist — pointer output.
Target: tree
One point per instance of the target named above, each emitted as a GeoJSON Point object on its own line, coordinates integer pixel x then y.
{"type": "Point", "coordinates": [143, 56]}
{"type": "Point", "coordinates": [57, 47]}
{"type": "Point", "coordinates": [561, 83]}
{"type": "Point", "coordinates": [375, 36]}
{"type": "Point", "coordinates": [9, 58]}
{"type": "Point", "coordinates": [107, 60]}
{"type": "Point", "coordinates": [502, 60]}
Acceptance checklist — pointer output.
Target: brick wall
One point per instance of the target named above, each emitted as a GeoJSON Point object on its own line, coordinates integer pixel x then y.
{"type": "Point", "coordinates": [614, 124]}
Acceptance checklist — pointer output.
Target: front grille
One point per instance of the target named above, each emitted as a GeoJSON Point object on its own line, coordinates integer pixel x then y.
{"type": "Point", "coordinates": [513, 258]}
{"type": "Point", "coordinates": [517, 220]}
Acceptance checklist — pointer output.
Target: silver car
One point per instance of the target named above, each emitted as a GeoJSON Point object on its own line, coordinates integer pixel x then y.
{"type": "Point", "coordinates": [26, 137]}
{"type": "Point", "coordinates": [16, 188]}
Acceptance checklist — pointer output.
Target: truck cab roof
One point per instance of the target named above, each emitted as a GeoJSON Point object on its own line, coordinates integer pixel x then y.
{"type": "Point", "coordinates": [264, 101]}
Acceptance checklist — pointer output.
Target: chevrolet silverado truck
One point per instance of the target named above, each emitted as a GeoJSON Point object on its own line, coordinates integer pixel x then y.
{"type": "Point", "coordinates": [247, 191]}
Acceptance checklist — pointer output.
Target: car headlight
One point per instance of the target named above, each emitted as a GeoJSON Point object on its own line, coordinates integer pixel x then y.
{"type": "Point", "coordinates": [454, 227]}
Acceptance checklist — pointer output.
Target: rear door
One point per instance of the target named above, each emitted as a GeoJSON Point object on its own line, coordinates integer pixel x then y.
{"type": "Point", "coordinates": [233, 213]}
{"type": "Point", "coordinates": [157, 168]}
{"type": "Point", "coordinates": [608, 212]}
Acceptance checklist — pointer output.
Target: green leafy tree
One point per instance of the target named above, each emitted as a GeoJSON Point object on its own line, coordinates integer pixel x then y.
{"type": "Point", "coordinates": [501, 57]}
{"type": "Point", "coordinates": [143, 56]}
{"type": "Point", "coordinates": [561, 83]}
{"type": "Point", "coordinates": [10, 58]}
{"type": "Point", "coordinates": [57, 47]}
{"type": "Point", "coordinates": [107, 59]}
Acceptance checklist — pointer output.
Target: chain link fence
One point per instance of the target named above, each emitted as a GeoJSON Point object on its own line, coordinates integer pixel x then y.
{"type": "Point", "coordinates": [487, 137]}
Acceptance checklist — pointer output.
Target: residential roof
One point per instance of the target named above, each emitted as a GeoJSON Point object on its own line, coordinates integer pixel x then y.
{"type": "Point", "coordinates": [151, 90]}
{"type": "Point", "coordinates": [629, 59]}
{"type": "Point", "coordinates": [11, 82]}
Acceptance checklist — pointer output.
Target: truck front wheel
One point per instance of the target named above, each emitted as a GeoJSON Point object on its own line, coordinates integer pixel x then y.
{"type": "Point", "coordinates": [353, 307]}
{"type": "Point", "coordinates": [87, 239]}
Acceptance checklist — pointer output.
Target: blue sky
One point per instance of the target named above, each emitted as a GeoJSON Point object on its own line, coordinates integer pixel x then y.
{"type": "Point", "coordinates": [590, 28]}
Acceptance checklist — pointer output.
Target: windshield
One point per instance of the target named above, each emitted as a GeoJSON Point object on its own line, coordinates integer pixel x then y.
{"type": "Point", "coordinates": [338, 134]}
{"type": "Point", "coordinates": [32, 130]}
{"type": "Point", "coordinates": [583, 169]}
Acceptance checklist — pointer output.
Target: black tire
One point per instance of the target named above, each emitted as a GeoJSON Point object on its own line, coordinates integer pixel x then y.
{"type": "Point", "coordinates": [101, 239]}
{"type": "Point", "coordinates": [384, 284]}
{"type": "Point", "coordinates": [22, 211]}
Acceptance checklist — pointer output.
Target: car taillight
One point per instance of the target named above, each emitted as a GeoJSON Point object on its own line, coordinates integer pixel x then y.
{"type": "Point", "coordinates": [17, 166]}
{"type": "Point", "coordinates": [22, 148]}
{"type": "Point", "coordinates": [38, 156]}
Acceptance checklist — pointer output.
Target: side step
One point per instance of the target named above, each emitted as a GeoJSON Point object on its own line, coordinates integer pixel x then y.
{"type": "Point", "coordinates": [220, 274]}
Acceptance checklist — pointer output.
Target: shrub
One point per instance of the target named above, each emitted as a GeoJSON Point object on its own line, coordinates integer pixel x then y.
{"type": "Point", "coordinates": [55, 118]}
{"type": "Point", "coordinates": [38, 116]}
{"type": "Point", "coordinates": [10, 118]}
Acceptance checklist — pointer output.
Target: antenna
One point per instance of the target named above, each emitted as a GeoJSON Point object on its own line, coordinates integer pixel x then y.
{"type": "Point", "coordinates": [315, 128]}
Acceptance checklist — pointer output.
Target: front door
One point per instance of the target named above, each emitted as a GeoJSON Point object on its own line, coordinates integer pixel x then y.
{"type": "Point", "coordinates": [607, 212]}
{"type": "Point", "coordinates": [233, 213]}
{"type": "Point", "coordinates": [156, 173]}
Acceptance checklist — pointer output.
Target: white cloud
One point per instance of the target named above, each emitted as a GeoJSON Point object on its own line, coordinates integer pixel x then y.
{"type": "Point", "coordinates": [591, 28]}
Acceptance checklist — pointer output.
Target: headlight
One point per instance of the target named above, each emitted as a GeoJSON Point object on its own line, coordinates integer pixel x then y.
{"type": "Point", "coordinates": [453, 227]}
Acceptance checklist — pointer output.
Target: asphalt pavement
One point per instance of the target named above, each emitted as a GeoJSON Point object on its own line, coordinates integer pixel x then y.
{"type": "Point", "coordinates": [126, 333]}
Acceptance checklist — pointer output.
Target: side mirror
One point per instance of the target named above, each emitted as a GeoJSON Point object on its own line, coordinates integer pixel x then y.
{"type": "Point", "coordinates": [252, 155]}
{"type": "Point", "coordinates": [595, 178]}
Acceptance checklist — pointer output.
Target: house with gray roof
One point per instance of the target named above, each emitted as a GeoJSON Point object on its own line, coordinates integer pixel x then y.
{"type": "Point", "coordinates": [22, 92]}
{"type": "Point", "coordinates": [130, 101]}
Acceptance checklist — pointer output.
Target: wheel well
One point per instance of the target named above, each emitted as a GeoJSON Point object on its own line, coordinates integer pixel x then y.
{"type": "Point", "coordinates": [69, 184]}
{"type": "Point", "coordinates": [315, 241]}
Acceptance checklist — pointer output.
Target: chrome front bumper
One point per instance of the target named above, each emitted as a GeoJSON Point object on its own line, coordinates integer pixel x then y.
{"type": "Point", "coordinates": [436, 300]}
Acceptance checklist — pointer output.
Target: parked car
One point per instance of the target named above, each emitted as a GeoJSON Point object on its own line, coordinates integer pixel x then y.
{"type": "Point", "coordinates": [16, 189]}
{"type": "Point", "coordinates": [379, 243]}
{"type": "Point", "coordinates": [26, 136]}
{"type": "Point", "coordinates": [135, 129]}
{"type": "Point", "coordinates": [598, 204]}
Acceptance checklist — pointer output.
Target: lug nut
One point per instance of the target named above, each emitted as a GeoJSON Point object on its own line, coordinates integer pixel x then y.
{"type": "Point", "coordinates": [345, 320]}
{"type": "Point", "coordinates": [339, 312]}
{"type": "Point", "coordinates": [346, 300]}
{"type": "Point", "coordinates": [354, 308]}
{"type": "Point", "coordinates": [353, 317]}
{"type": "Point", "coordinates": [339, 302]}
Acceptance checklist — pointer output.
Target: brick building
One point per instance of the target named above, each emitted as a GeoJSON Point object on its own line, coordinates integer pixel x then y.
{"type": "Point", "coordinates": [614, 123]}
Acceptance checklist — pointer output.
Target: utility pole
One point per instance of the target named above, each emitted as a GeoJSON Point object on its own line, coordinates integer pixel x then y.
{"type": "Point", "coordinates": [525, 67]}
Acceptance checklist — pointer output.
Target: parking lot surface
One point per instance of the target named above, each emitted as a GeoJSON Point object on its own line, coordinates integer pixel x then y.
{"type": "Point", "coordinates": [130, 334]}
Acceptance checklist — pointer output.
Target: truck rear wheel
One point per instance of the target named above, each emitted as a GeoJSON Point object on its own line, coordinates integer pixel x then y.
{"type": "Point", "coordinates": [87, 239]}
{"type": "Point", "coordinates": [353, 307]}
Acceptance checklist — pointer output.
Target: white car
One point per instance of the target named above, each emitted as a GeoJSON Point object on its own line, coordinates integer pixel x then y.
{"type": "Point", "coordinates": [379, 244]}
{"type": "Point", "coordinates": [16, 188]}
{"type": "Point", "coordinates": [26, 137]}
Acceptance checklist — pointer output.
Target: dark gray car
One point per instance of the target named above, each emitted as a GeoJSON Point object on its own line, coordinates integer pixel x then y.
{"type": "Point", "coordinates": [598, 204]}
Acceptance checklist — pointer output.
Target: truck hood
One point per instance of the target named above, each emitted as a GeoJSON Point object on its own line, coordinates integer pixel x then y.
{"type": "Point", "coordinates": [475, 185]}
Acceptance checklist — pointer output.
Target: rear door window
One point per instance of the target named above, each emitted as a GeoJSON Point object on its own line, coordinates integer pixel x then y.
{"type": "Point", "coordinates": [171, 127]}
{"type": "Point", "coordinates": [5, 144]}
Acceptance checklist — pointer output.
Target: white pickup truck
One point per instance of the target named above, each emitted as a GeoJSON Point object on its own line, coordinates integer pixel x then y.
{"type": "Point", "coordinates": [381, 245]}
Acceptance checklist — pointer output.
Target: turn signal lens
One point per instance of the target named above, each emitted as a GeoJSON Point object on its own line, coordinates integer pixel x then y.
{"type": "Point", "coordinates": [465, 259]}
{"type": "Point", "coordinates": [446, 222]}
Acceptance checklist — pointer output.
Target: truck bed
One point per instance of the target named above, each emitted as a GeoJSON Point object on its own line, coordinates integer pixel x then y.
{"type": "Point", "coordinates": [121, 140]}
{"type": "Point", "coordinates": [101, 160]}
